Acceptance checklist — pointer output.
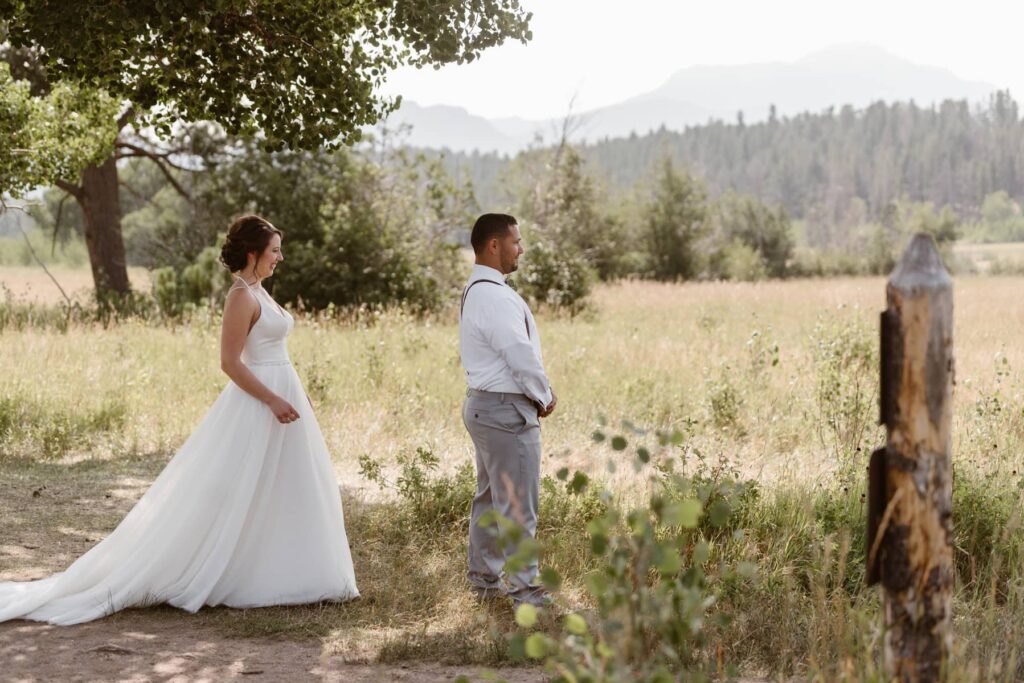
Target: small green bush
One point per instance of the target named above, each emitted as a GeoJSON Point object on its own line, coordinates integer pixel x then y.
{"type": "Point", "coordinates": [426, 501]}
{"type": "Point", "coordinates": [554, 279]}
{"type": "Point", "coordinates": [846, 393]}
{"type": "Point", "coordinates": [202, 282]}
{"type": "Point", "coordinates": [651, 586]}
{"type": "Point", "coordinates": [29, 428]}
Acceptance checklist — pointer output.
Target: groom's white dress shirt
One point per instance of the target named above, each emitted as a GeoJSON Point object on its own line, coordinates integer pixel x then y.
{"type": "Point", "coordinates": [499, 341]}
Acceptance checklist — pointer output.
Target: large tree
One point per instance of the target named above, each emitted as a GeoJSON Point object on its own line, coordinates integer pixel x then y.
{"type": "Point", "coordinates": [294, 73]}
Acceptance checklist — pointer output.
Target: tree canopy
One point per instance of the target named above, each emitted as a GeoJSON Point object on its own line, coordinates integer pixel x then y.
{"type": "Point", "coordinates": [52, 136]}
{"type": "Point", "coordinates": [300, 73]}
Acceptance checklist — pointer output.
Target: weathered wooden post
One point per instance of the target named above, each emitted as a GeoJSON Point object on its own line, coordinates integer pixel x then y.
{"type": "Point", "coordinates": [910, 487]}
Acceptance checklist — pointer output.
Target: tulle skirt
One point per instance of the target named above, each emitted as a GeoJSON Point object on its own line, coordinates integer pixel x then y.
{"type": "Point", "coordinates": [246, 514]}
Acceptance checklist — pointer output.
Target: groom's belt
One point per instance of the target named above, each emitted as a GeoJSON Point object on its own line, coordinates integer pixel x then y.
{"type": "Point", "coordinates": [500, 396]}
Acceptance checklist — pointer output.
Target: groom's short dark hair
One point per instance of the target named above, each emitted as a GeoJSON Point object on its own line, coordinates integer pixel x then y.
{"type": "Point", "coordinates": [489, 226]}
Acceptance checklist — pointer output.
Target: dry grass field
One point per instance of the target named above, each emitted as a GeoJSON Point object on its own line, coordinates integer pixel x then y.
{"type": "Point", "coordinates": [653, 354]}
{"type": "Point", "coordinates": [32, 284]}
{"type": "Point", "coordinates": [91, 415]}
{"type": "Point", "coordinates": [991, 258]}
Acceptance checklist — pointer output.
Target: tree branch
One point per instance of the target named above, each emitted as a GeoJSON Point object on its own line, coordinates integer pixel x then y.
{"type": "Point", "coordinates": [42, 265]}
{"type": "Point", "coordinates": [73, 190]}
{"type": "Point", "coordinates": [126, 116]}
{"type": "Point", "coordinates": [56, 223]}
{"type": "Point", "coordinates": [161, 163]}
{"type": "Point", "coordinates": [136, 155]}
{"type": "Point", "coordinates": [165, 156]}
{"type": "Point", "coordinates": [4, 206]}
{"type": "Point", "coordinates": [138, 195]}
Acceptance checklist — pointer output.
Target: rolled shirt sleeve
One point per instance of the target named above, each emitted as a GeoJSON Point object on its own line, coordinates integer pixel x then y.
{"type": "Point", "coordinates": [506, 333]}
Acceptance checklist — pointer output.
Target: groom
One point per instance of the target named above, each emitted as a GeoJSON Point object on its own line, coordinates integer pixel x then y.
{"type": "Point", "coordinates": [508, 394]}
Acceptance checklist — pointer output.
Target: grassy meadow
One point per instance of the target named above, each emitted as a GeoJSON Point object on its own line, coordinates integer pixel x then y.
{"type": "Point", "coordinates": [1004, 258]}
{"type": "Point", "coordinates": [773, 382]}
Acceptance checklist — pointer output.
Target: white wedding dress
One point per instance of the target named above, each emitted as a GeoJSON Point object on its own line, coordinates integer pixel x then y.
{"type": "Point", "coordinates": [246, 514]}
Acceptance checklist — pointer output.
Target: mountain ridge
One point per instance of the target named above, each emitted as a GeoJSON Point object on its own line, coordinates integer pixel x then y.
{"type": "Point", "coordinates": [855, 74]}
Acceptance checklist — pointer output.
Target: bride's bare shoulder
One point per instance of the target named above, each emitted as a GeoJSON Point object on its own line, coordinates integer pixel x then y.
{"type": "Point", "coordinates": [239, 299]}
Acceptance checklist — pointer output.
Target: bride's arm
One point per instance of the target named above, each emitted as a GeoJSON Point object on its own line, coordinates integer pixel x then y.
{"type": "Point", "coordinates": [240, 311]}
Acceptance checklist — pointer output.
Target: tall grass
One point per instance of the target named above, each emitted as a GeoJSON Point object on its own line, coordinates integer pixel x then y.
{"type": "Point", "coordinates": [776, 379]}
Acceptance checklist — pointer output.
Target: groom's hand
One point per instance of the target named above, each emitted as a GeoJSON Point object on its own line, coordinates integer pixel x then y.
{"type": "Point", "coordinates": [550, 408]}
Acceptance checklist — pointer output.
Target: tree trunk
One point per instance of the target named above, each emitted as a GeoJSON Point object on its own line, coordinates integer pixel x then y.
{"type": "Point", "coordinates": [101, 207]}
{"type": "Point", "coordinates": [911, 489]}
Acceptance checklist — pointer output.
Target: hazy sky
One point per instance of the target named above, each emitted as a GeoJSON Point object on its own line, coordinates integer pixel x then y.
{"type": "Point", "coordinates": [604, 51]}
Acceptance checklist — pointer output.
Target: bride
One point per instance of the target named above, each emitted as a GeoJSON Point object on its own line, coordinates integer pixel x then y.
{"type": "Point", "coordinates": [247, 513]}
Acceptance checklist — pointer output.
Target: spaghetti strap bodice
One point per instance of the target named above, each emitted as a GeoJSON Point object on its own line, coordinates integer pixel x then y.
{"type": "Point", "coordinates": [267, 340]}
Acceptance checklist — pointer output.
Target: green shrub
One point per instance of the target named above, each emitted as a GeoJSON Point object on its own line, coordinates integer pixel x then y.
{"type": "Point", "coordinates": [724, 403]}
{"type": "Point", "coordinates": [650, 584]}
{"type": "Point", "coordinates": [30, 428]}
{"type": "Point", "coordinates": [742, 262]}
{"type": "Point", "coordinates": [555, 279]}
{"type": "Point", "coordinates": [201, 283]}
{"type": "Point", "coordinates": [426, 501]}
{"type": "Point", "coordinates": [756, 239]}
{"type": "Point", "coordinates": [370, 228]}
{"type": "Point", "coordinates": [846, 393]}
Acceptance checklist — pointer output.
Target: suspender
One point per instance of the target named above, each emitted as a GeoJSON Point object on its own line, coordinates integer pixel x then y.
{"type": "Point", "coordinates": [462, 309]}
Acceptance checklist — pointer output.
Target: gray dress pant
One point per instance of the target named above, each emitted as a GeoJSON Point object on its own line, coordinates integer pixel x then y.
{"type": "Point", "coordinates": [506, 433]}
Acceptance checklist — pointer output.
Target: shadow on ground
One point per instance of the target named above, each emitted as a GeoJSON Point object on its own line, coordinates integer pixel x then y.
{"type": "Point", "coordinates": [414, 622]}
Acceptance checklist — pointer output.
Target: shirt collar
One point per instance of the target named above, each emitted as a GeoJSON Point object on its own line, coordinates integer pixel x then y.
{"type": "Point", "coordinates": [481, 272]}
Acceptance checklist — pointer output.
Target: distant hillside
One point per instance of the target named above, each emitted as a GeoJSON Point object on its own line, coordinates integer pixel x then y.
{"type": "Point", "coordinates": [453, 128]}
{"type": "Point", "coordinates": [853, 74]}
{"type": "Point", "coordinates": [833, 167]}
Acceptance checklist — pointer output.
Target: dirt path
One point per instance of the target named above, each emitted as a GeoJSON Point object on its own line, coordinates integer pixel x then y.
{"type": "Point", "coordinates": [142, 646]}
{"type": "Point", "coordinates": [51, 513]}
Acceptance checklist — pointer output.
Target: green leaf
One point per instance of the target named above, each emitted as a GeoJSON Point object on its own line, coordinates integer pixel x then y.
{"type": "Point", "coordinates": [517, 646]}
{"type": "Point", "coordinates": [667, 559]}
{"type": "Point", "coordinates": [550, 578]}
{"type": "Point", "coordinates": [597, 583]}
{"type": "Point", "coordinates": [701, 553]}
{"type": "Point", "coordinates": [575, 624]}
{"type": "Point", "coordinates": [536, 646]}
{"type": "Point", "coordinates": [526, 615]}
{"type": "Point", "coordinates": [685, 513]}
{"type": "Point", "coordinates": [579, 482]}
{"type": "Point", "coordinates": [719, 512]}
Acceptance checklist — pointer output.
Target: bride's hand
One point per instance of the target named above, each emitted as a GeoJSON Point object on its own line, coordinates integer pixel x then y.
{"type": "Point", "coordinates": [283, 410]}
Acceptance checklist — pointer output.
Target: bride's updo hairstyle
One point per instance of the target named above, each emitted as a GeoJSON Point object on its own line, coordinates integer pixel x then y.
{"type": "Point", "coordinates": [246, 235]}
